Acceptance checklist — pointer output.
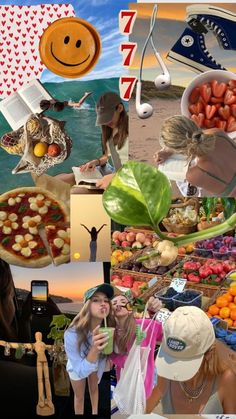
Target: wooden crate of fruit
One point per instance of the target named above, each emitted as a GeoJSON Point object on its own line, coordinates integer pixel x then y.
{"type": "Point", "coordinates": [202, 274]}
{"type": "Point", "coordinates": [223, 305]}
{"type": "Point", "coordinates": [136, 282]}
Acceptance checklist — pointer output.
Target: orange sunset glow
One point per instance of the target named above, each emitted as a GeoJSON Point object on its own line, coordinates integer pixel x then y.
{"type": "Point", "coordinates": [69, 280]}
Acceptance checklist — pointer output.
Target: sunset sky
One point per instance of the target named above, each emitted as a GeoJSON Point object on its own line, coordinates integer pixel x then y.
{"type": "Point", "coordinates": [68, 280]}
{"type": "Point", "coordinates": [169, 26]}
{"type": "Point", "coordinates": [88, 210]}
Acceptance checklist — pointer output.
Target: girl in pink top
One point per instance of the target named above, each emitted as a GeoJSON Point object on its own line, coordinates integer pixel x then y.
{"type": "Point", "coordinates": [125, 336]}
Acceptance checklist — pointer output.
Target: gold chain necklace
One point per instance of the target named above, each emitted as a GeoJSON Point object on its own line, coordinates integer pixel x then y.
{"type": "Point", "coordinates": [193, 394]}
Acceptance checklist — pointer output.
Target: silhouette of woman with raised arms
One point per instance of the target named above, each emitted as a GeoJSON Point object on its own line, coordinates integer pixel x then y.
{"type": "Point", "coordinates": [93, 243]}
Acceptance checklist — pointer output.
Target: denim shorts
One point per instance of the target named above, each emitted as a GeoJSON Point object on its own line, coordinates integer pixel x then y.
{"type": "Point", "coordinates": [106, 170]}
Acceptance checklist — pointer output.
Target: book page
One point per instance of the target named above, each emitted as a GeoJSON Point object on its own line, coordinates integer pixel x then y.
{"type": "Point", "coordinates": [175, 168]}
{"type": "Point", "coordinates": [90, 177]}
{"type": "Point", "coordinates": [32, 93]}
{"type": "Point", "coordinates": [15, 111]}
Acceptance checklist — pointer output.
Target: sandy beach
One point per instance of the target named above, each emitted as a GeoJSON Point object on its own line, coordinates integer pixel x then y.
{"type": "Point", "coordinates": [144, 133]}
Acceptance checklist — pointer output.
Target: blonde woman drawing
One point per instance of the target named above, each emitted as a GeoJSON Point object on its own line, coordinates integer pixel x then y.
{"type": "Point", "coordinates": [211, 154]}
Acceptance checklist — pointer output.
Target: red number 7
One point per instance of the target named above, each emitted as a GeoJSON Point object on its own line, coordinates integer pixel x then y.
{"type": "Point", "coordinates": [126, 92]}
{"type": "Point", "coordinates": [126, 21]}
{"type": "Point", "coordinates": [128, 50]}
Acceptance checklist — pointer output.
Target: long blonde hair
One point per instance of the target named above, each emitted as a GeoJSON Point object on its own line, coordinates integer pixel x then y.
{"type": "Point", "coordinates": [183, 136]}
{"type": "Point", "coordinates": [123, 130]}
{"type": "Point", "coordinates": [218, 359]}
{"type": "Point", "coordinates": [128, 334]}
{"type": "Point", "coordinates": [82, 322]}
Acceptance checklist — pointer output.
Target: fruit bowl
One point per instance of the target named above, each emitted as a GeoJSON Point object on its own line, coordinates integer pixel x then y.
{"type": "Point", "coordinates": [202, 79]}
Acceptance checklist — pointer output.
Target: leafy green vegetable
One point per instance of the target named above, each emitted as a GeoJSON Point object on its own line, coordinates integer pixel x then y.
{"type": "Point", "coordinates": [138, 195]}
{"type": "Point", "coordinates": [209, 206]}
{"type": "Point", "coordinates": [3, 204]}
{"type": "Point", "coordinates": [229, 205]}
{"type": "Point", "coordinates": [5, 240]}
{"type": "Point", "coordinates": [55, 217]}
{"type": "Point", "coordinates": [22, 208]}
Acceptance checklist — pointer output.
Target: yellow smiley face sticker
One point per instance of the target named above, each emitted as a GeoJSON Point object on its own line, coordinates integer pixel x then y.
{"type": "Point", "coordinates": [70, 47]}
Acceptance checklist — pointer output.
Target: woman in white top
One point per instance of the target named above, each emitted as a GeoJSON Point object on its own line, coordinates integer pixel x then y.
{"type": "Point", "coordinates": [113, 120]}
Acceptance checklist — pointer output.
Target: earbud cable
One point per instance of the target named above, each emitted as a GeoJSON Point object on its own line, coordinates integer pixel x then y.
{"type": "Point", "coordinates": [152, 24]}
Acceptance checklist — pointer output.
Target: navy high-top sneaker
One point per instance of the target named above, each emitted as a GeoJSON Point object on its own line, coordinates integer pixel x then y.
{"type": "Point", "coordinates": [221, 22]}
{"type": "Point", "coordinates": [190, 50]}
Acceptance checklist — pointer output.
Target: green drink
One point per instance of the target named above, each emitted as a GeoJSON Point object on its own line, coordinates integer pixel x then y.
{"type": "Point", "coordinates": [110, 333]}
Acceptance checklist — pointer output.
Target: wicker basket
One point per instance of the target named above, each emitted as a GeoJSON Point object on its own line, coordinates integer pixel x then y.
{"type": "Point", "coordinates": [207, 289]}
{"type": "Point", "coordinates": [182, 228]}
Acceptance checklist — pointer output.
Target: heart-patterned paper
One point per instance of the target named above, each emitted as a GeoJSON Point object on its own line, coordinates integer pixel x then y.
{"type": "Point", "coordinates": [20, 30]}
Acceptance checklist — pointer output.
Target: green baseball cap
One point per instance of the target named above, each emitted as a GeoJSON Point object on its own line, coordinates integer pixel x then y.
{"type": "Point", "coordinates": [107, 289]}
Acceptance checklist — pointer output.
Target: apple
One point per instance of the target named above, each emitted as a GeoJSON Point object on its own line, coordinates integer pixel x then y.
{"type": "Point", "coordinates": [147, 242]}
{"type": "Point", "coordinates": [54, 150]}
{"type": "Point", "coordinates": [117, 242]}
{"type": "Point", "coordinates": [116, 281]}
{"type": "Point", "coordinates": [122, 236]}
{"type": "Point", "coordinates": [125, 243]}
{"type": "Point", "coordinates": [140, 237]}
{"type": "Point", "coordinates": [115, 235]}
{"type": "Point", "coordinates": [130, 237]}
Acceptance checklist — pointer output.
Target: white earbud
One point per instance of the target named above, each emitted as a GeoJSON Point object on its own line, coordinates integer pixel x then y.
{"type": "Point", "coordinates": [163, 80]}
{"type": "Point", "coordinates": [144, 110]}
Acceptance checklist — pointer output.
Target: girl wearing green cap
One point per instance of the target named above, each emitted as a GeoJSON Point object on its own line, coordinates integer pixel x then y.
{"type": "Point", "coordinates": [84, 345]}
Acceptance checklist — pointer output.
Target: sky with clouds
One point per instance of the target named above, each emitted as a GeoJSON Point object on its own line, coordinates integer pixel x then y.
{"type": "Point", "coordinates": [103, 14]}
{"type": "Point", "coordinates": [170, 24]}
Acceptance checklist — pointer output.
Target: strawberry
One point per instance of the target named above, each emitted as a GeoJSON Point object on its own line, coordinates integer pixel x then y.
{"type": "Point", "coordinates": [233, 110]}
{"type": "Point", "coordinates": [231, 124]}
{"type": "Point", "coordinates": [209, 123]}
{"type": "Point", "coordinates": [198, 119]}
{"type": "Point", "coordinates": [218, 89]}
{"type": "Point", "coordinates": [221, 124]}
{"type": "Point", "coordinates": [232, 84]}
{"type": "Point", "coordinates": [196, 108]}
{"type": "Point", "coordinates": [210, 111]}
{"type": "Point", "coordinates": [229, 97]}
{"type": "Point", "coordinates": [206, 92]}
{"type": "Point", "coordinates": [194, 95]}
{"type": "Point", "coordinates": [224, 112]}
{"type": "Point", "coordinates": [217, 99]}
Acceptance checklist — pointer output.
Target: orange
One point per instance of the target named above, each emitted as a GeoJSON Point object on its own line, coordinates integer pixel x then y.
{"type": "Point", "coordinates": [229, 321]}
{"type": "Point", "coordinates": [233, 314]}
{"type": "Point", "coordinates": [221, 302]}
{"type": "Point", "coordinates": [208, 314]}
{"type": "Point", "coordinates": [235, 300]}
{"type": "Point", "coordinates": [232, 305]}
{"type": "Point", "coordinates": [232, 291]}
{"type": "Point", "coordinates": [225, 312]}
{"type": "Point", "coordinates": [213, 309]}
{"type": "Point", "coordinates": [228, 296]}
{"type": "Point", "coordinates": [234, 323]}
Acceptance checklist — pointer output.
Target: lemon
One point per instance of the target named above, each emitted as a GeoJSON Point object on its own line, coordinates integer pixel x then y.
{"type": "Point", "coordinates": [232, 275]}
{"type": "Point", "coordinates": [40, 149]}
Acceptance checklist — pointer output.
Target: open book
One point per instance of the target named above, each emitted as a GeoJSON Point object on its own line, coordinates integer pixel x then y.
{"type": "Point", "coordinates": [20, 105]}
{"type": "Point", "coordinates": [86, 179]}
{"type": "Point", "coordinates": [175, 168]}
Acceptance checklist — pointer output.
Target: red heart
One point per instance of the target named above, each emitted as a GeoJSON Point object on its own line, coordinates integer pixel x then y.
{"type": "Point", "coordinates": [19, 16]}
{"type": "Point", "coordinates": [66, 13]}
{"type": "Point", "coordinates": [59, 15]}
{"type": "Point", "coordinates": [34, 25]}
{"type": "Point", "coordinates": [15, 46]}
{"type": "Point", "coordinates": [56, 9]}
{"type": "Point", "coordinates": [43, 13]}
{"type": "Point", "coordinates": [42, 6]}
{"type": "Point", "coordinates": [31, 67]}
{"type": "Point", "coordinates": [210, 111]}
{"type": "Point", "coordinates": [198, 119]}
{"type": "Point", "coordinates": [10, 59]}
{"type": "Point", "coordinates": [16, 38]}
{"type": "Point", "coordinates": [23, 43]}
{"type": "Point", "coordinates": [35, 57]}
{"type": "Point", "coordinates": [35, 12]}
{"type": "Point", "coordinates": [5, 80]}
{"type": "Point", "coordinates": [26, 13]}
{"type": "Point", "coordinates": [218, 89]}
{"type": "Point", "coordinates": [19, 30]}
{"type": "Point", "coordinates": [17, 53]}
{"type": "Point", "coordinates": [8, 42]}
{"type": "Point", "coordinates": [18, 61]}
{"type": "Point", "coordinates": [24, 35]}
{"type": "Point", "coordinates": [51, 15]}
{"type": "Point", "coordinates": [8, 92]}
{"type": "Point", "coordinates": [1, 92]}
{"type": "Point", "coordinates": [8, 85]}
{"type": "Point", "coordinates": [224, 111]}
{"type": "Point", "coordinates": [12, 12]}
{"type": "Point", "coordinates": [28, 29]}
{"type": "Point", "coordinates": [24, 52]}
{"type": "Point", "coordinates": [36, 73]}
{"type": "Point", "coordinates": [13, 72]}
{"type": "Point", "coordinates": [20, 76]}
{"type": "Point", "coordinates": [40, 20]}
{"type": "Point", "coordinates": [23, 67]}
{"type": "Point", "coordinates": [229, 97]}
{"type": "Point", "coordinates": [21, 83]}
{"type": "Point", "coordinates": [233, 110]}
{"type": "Point", "coordinates": [11, 35]}
{"type": "Point", "coordinates": [26, 22]}
{"type": "Point", "coordinates": [13, 81]}
{"type": "Point", "coordinates": [18, 23]}
{"type": "Point", "coordinates": [28, 74]}
{"type": "Point", "coordinates": [3, 23]}
{"type": "Point", "coordinates": [27, 61]}
{"type": "Point", "coordinates": [9, 66]}
{"type": "Point", "coordinates": [6, 8]}
{"type": "Point", "coordinates": [231, 124]}
{"type": "Point", "coordinates": [3, 14]}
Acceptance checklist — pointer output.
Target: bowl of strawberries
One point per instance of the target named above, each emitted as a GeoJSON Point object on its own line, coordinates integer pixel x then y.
{"type": "Point", "coordinates": [210, 101]}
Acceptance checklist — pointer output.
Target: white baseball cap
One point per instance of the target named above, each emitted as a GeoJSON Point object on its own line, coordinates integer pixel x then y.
{"type": "Point", "coordinates": [187, 335]}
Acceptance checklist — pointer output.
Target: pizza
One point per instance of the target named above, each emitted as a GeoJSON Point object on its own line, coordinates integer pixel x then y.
{"type": "Point", "coordinates": [56, 239]}
{"type": "Point", "coordinates": [22, 212]}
